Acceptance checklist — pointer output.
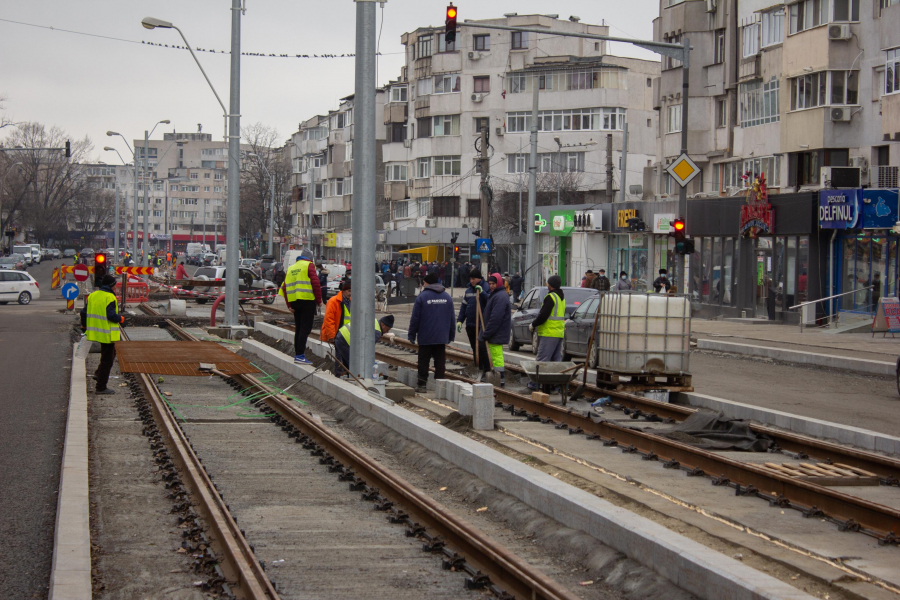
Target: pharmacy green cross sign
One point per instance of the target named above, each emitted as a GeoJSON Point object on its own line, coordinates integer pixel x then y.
{"type": "Point", "coordinates": [539, 223]}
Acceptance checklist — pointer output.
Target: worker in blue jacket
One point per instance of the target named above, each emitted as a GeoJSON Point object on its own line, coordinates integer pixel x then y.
{"type": "Point", "coordinates": [497, 324]}
{"type": "Point", "coordinates": [432, 324]}
{"type": "Point", "coordinates": [467, 315]}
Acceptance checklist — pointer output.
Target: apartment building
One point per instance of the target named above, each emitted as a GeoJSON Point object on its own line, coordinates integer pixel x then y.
{"type": "Point", "coordinates": [447, 92]}
{"type": "Point", "coordinates": [321, 151]}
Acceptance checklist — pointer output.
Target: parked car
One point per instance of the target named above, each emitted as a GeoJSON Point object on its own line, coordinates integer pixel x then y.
{"type": "Point", "coordinates": [333, 284]}
{"type": "Point", "coordinates": [56, 253]}
{"type": "Point", "coordinates": [25, 251]}
{"type": "Point", "coordinates": [266, 261]}
{"type": "Point", "coordinates": [69, 253]}
{"type": "Point", "coordinates": [578, 331]}
{"type": "Point", "coordinates": [248, 263]}
{"type": "Point", "coordinates": [18, 286]}
{"type": "Point", "coordinates": [210, 260]}
{"type": "Point", "coordinates": [249, 281]}
{"type": "Point", "coordinates": [530, 306]}
{"type": "Point", "coordinates": [13, 262]}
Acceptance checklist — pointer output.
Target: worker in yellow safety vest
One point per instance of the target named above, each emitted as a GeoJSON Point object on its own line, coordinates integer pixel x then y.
{"type": "Point", "coordinates": [550, 323]}
{"type": "Point", "coordinates": [100, 321]}
{"type": "Point", "coordinates": [342, 340]}
{"type": "Point", "coordinates": [303, 294]}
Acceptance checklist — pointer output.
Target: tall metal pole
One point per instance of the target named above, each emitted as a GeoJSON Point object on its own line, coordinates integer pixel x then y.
{"type": "Point", "coordinates": [271, 213]}
{"type": "Point", "coordinates": [312, 197]}
{"type": "Point", "coordinates": [116, 233]}
{"type": "Point", "coordinates": [558, 173]}
{"type": "Point", "coordinates": [145, 242]}
{"type": "Point", "coordinates": [519, 245]}
{"type": "Point", "coordinates": [530, 273]}
{"type": "Point", "coordinates": [624, 174]}
{"type": "Point", "coordinates": [362, 332]}
{"type": "Point", "coordinates": [682, 190]}
{"type": "Point", "coordinates": [134, 215]}
{"type": "Point", "coordinates": [485, 209]}
{"type": "Point", "coordinates": [234, 172]}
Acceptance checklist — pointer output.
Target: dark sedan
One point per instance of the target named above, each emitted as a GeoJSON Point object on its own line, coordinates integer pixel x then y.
{"type": "Point", "coordinates": [579, 328]}
{"type": "Point", "coordinates": [13, 262]}
{"type": "Point", "coordinates": [530, 307]}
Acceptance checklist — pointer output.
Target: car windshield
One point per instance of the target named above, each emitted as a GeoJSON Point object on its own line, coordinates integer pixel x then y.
{"type": "Point", "coordinates": [574, 296]}
{"type": "Point", "coordinates": [8, 260]}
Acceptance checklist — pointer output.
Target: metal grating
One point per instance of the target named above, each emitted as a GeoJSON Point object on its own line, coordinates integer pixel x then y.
{"type": "Point", "coordinates": [179, 358]}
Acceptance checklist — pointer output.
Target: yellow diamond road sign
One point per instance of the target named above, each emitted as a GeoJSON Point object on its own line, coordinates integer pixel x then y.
{"type": "Point", "coordinates": [683, 169]}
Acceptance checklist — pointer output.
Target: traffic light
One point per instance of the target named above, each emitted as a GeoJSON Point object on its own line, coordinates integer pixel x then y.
{"type": "Point", "coordinates": [100, 268]}
{"type": "Point", "coordinates": [677, 232]}
{"type": "Point", "coordinates": [456, 253]}
{"type": "Point", "coordinates": [636, 224]}
{"type": "Point", "coordinates": [68, 149]}
{"type": "Point", "coordinates": [450, 22]}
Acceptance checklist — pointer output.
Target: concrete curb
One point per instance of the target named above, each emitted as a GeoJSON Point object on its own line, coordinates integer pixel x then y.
{"type": "Point", "coordinates": [845, 434]}
{"type": "Point", "coordinates": [686, 563]}
{"type": "Point", "coordinates": [70, 576]}
{"type": "Point", "coordinates": [844, 363]}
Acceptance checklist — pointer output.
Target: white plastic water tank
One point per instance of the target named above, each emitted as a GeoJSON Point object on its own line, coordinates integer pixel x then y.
{"type": "Point", "coordinates": [644, 333]}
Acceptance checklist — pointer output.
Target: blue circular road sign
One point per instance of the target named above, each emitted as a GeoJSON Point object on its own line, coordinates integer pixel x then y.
{"type": "Point", "coordinates": [70, 291]}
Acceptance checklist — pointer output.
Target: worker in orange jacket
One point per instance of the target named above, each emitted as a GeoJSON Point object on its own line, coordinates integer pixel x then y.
{"type": "Point", "coordinates": [337, 313]}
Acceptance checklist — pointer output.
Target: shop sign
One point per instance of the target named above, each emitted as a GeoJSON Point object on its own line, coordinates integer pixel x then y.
{"type": "Point", "coordinates": [887, 316]}
{"type": "Point", "coordinates": [838, 209]}
{"type": "Point", "coordinates": [330, 240]}
{"type": "Point", "coordinates": [662, 223]}
{"type": "Point", "coordinates": [757, 216]}
{"type": "Point", "coordinates": [624, 215]}
{"type": "Point", "coordinates": [539, 223]}
{"type": "Point", "coordinates": [879, 209]}
{"type": "Point", "coordinates": [562, 222]}
{"type": "Point", "coordinates": [636, 240]}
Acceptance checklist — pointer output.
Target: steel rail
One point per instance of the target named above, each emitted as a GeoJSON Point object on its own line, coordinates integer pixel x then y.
{"type": "Point", "coordinates": [240, 564]}
{"type": "Point", "coordinates": [489, 563]}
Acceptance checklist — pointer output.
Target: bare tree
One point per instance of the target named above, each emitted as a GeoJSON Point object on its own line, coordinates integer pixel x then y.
{"type": "Point", "coordinates": [4, 120]}
{"type": "Point", "coordinates": [505, 210]}
{"type": "Point", "coordinates": [93, 211]}
{"type": "Point", "coordinates": [257, 172]}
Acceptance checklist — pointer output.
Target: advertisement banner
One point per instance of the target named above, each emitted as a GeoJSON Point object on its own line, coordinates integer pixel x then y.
{"type": "Point", "coordinates": [562, 222]}
{"type": "Point", "coordinates": [662, 223]}
{"type": "Point", "coordinates": [879, 209]}
{"type": "Point", "coordinates": [839, 209]}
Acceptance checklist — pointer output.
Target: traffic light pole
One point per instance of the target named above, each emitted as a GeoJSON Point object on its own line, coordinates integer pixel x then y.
{"type": "Point", "coordinates": [682, 191]}
{"type": "Point", "coordinates": [485, 208]}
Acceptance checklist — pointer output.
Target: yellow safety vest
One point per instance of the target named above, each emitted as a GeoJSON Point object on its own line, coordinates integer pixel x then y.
{"type": "Point", "coordinates": [99, 328]}
{"type": "Point", "coordinates": [555, 325]}
{"type": "Point", "coordinates": [345, 318]}
{"type": "Point", "coordinates": [345, 330]}
{"type": "Point", "coordinates": [297, 284]}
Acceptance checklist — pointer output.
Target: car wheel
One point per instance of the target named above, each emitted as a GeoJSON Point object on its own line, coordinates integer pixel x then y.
{"type": "Point", "coordinates": [534, 342]}
{"type": "Point", "coordinates": [24, 298]}
{"type": "Point", "coordinates": [592, 360]}
{"type": "Point", "coordinates": [269, 299]}
{"type": "Point", "coordinates": [565, 355]}
{"type": "Point", "coordinates": [513, 344]}
{"type": "Point", "coordinates": [201, 300]}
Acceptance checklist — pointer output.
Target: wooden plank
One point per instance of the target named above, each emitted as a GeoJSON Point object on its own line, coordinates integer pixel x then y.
{"type": "Point", "coordinates": [856, 470]}
{"type": "Point", "coordinates": [817, 468]}
{"type": "Point", "coordinates": [840, 481]}
{"type": "Point", "coordinates": [786, 469]}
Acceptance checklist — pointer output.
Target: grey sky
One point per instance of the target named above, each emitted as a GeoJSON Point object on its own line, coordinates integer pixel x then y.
{"type": "Point", "coordinates": [88, 85]}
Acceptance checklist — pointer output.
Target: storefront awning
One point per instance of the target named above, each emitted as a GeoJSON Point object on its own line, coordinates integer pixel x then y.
{"type": "Point", "coordinates": [429, 253]}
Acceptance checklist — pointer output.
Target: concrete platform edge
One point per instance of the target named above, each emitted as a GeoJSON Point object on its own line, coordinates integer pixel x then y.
{"type": "Point", "coordinates": [70, 575]}
{"type": "Point", "coordinates": [688, 564]}
{"type": "Point", "coordinates": [843, 363]}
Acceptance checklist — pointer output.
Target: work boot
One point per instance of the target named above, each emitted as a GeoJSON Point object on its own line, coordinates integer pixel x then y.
{"type": "Point", "coordinates": [105, 392]}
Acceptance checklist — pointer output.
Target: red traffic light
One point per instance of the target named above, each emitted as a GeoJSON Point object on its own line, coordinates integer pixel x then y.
{"type": "Point", "coordinates": [451, 12]}
{"type": "Point", "coordinates": [678, 225]}
{"type": "Point", "coordinates": [99, 258]}
{"type": "Point", "coordinates": [456, 248]}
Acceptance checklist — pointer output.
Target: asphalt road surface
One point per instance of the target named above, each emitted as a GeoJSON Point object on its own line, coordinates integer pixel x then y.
{"type": "Point", "coordinates": [35, 356]}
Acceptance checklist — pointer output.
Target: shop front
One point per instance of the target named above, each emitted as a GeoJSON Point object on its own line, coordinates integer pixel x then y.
{"type": "Point", "coordinates": [640, 254]}
{"type": "Point", "coordinates": [756, 262]}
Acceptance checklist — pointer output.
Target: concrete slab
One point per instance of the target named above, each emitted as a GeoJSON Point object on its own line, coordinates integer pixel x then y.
{"type": "Point", "coordinates": [831, 361]}
{"type": "Point", "coordinates": [70, 576]}
{"type": "Point", "coordinates": [688, 564]}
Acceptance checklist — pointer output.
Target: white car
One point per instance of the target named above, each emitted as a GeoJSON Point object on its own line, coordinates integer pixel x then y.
{"type": "Point", "coordinates": [26, 252]}
{"type": "Point", "coordinates": [18, 286]}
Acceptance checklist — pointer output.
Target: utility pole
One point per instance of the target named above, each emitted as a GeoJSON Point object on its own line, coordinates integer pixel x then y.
{"type": "Point", "coordinates": [234, 171]}
{"type": "Point", "coordinates": [271, 214]}
{"type": "Point", "coordinates": [116, 233]}
{"type": "Point", "coordinates": [485, 208]}
{"type": "Point", "coordinates": [362, 326]}
{"type": "Point", "coordinates": [312, 197]}
{"type": "Point", "coordinates": [529, 272]}
{"type": "Point", "coordinates": [145, 182]}
{"type": "Point", "coordinates": [134, 215]}
{"type": "Point", "coordinates": [624, 164]}
{"type": "Point", "coordinates": [682, 190]}
{"type": "Point", "coordinates": [609, 168]}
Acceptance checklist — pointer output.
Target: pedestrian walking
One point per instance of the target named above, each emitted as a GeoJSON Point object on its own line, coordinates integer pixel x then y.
{"type": "Point", "coordinates": [497, 324]}
{"type": "Point", "coordinates": [474, 296]}
{"type": "Point", "coordinates": [398, 279]}
{"type": "Point", "coordinates": [623, 285]}
{"type": "Point", "coordinates": [100, 321]}
{"type": "Point", "coordinates": [662, 284]}
{"type": "Point", "coordinates": [303, 294]}
{"type": "Point", "coordinates": [550, 324]}
{"type": "Point", "coordinates": [515, 285]}
{"type": "Point", "coordinates": [603, 283]}
{"type": "Point", "coordinates": [323, 278]}
{"type": "Point", "coordinates": [432, 324]}
{"type": "Point", "coordinates": [383, 326]}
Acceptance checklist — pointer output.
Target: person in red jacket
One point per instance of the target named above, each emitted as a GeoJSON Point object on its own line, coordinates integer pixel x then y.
{"type": "Point", "coordinates": [180, 272]}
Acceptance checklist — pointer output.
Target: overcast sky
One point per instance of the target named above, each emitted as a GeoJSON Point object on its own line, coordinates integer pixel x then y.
{"type": "Point", "coordinates": [88, 85]}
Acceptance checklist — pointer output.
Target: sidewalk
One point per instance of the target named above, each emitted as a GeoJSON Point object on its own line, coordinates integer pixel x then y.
{"type": "Point", "coordinates": [851, 345]}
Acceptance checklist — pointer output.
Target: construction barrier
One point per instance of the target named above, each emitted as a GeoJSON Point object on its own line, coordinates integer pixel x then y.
{"type": "Point", "coordinates": [134, 270]}
{"type": "Point", "coordinates": [71, 269]}
{"type": "Point", "coordinates": [54, 283]}
{"type": "Point", "coordinates": [136, 292]}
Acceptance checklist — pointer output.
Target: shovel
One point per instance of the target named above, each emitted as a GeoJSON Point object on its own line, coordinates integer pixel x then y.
{"type": "Point", "coordinates": [579, 391]}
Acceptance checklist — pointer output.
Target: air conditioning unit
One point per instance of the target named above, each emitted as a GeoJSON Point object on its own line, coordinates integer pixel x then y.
{"type": "Point", "coordinates": [887, 176]}
{"type": "Point", "coordinates": [430, 222]}
{"type": "Point", "coordinates": [477, 97]}
{"type": "Point", "coordinates": [839, 31]}
{"type": "Point", "coordinates": [859, 161]}
{"type": "Point", "coordinates": [499, 131]}
{"type": "Point", "coordinates": [475, 55]}
{"type": "Point", "coordinates": [841, 177]}
{"type": "Point", "coordinates": [840, 113]}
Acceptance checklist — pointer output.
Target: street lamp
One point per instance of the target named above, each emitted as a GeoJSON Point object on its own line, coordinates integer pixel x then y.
{"type": "Point", "coordinates": [271, 201]}
{"type": "Point", "coordinates": [118, 216]}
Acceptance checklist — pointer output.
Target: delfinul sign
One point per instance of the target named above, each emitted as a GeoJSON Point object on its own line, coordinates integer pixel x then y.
{"type": "Point", "coordinates": [839, 209]}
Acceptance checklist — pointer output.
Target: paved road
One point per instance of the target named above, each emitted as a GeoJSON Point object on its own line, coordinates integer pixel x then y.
{"type": "Point", "coordinates": [34, 356]}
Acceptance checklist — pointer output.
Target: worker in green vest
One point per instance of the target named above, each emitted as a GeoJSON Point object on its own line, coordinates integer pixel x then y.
{"type": "Point", "coordinates": [342, 340]}
{"type": "Point", "coordinates": [550, 323]}
{"type": "Point", "coordinates": [303, 293]}
{"type": "Point", "coordinates": [100, 321]}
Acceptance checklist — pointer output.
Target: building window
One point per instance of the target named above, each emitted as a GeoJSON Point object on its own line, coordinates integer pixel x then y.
{"type": "Point", "coordinates": [721, 112]}
{"type": "Point", "coordinates": [846, 10]}
{"type": "Point", "coordinates": [519, 40]}
{"type": "Point", "coordinates": [348, 151]}
{"type": "Point", "coordinates": [446, 165]}
{"type": "Point", "coordinates": [218, 189]}
{"type": "Point", "coordinates": [319, 191]}
{"type": "Point", "coordinates": [473, 208]}
{"type": "Point", "coordinates": [885, 3]}
{"type": "Point", "coordinates": [750, 35]}
{"type": "Point", "coordinates": [720, 46]}
{"type": "Point", "coordinates": [445, 207]}
{"type": "Point", "coordinates": [206, 188]}
{"type": "Point", "coordinates": [674, 120]}
{"type": "Point", "coordinates": [424, 46]}
{"type": "Point", "coordinates": [424, 127]}
{"type": "Point", "coordinates": [338, 187]}
{"type": "Point", "coordinates": [548, 162]}
{"type": "Point", "coordinates": [423, 168]}
{"type": "Point", "coordinates": [844, 87]}
{"type": "Point", "coordinates": [156, 228]}
{"type": "Point", "coordinates": [812, 13]}
{"type": "Point", "coordinates": [157, 213]}
{"type": "Point", "coordinates": [669, 62]}
{"type": "Point", "coordinates": [810, 91]}
{"type": "Point", "coordinates": [759, 103]}
{"type": "Point", "coordinates": [583, 119]}
{"type": "Point", "coordinates": [741, 174]}
{"type": "Point", "coordinates": [892, 72]}
{"type": "Point", "coordinates": [482, 122]}
{"type": "Point", "coordinates": [395, 172]}
{"type": "Point", "coordinates": [482, 85]}
{"type": "Point", "coordinates": [772, 27]}
{"type": "Point", "coordinates": [398, 132]}
{"type": "Point", "coordinates": [516, 163]}
{"type": "Point", "coordinates": [206, 176]}
{"type": "Point", "coordinates": [445, 125]}
{"type": "Point", "coordinates": [217, 176]}
{"type": "Point", "coordinates": [401, 210]}
{"type": "Point", "coordinates": [518, 83]}
{"type": "Point", "coordinates": [337, 121]}
{"type": "Point", "coordinates": [443, 46]}
{"type": "Point", "coordinates": [481, 42]}
{"type": "Point", "coordinates": [446, 84]}
{"type": "Point", "coordinates": [424, 86]}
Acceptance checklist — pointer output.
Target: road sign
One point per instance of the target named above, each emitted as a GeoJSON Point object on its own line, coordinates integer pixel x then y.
{"type": "Point", "coordinates": [683, 170]}
{"type": "Point", "coordinates": [81, 272]}
{"type": "Point", "coordinates": [483, 245]}
{"type": "Point", "coordinates": [70, 291]}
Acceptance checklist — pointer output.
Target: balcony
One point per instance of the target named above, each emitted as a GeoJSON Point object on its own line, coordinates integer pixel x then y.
{"type": "Point", "coordinates": [395, 190]}
{"type": "Point", "coordinates": [890, 117]}
{"type": "Point", "coordinates": [396, 112]}
{"type": "Point", "coordinates": [749, 68]}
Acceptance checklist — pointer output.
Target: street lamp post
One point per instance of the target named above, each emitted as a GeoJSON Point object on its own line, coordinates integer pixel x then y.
{"type": "Point", "coordinates": [118, 215]}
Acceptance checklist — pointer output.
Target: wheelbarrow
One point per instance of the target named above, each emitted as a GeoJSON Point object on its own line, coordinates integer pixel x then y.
{"type": "Point", "coordinates": [548, 374]}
